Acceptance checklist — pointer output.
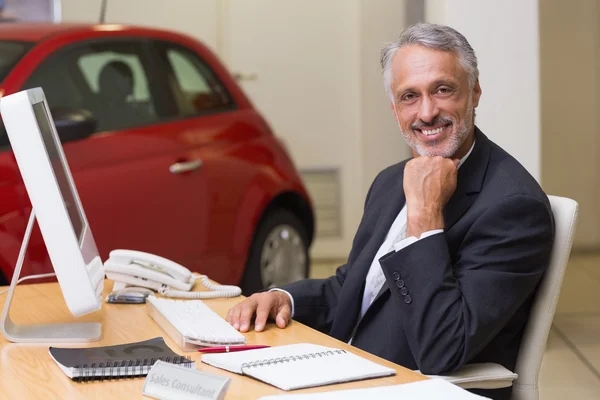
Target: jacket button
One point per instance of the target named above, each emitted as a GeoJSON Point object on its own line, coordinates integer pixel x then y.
{"type": "Point", "coordinates": [404, 291]}
{"type": "Point", "coordinates": [408, 300]}
{"type": "Point", "coordinates": [400, 283]}
{"type": "Point", "coordinates": [396, 276]}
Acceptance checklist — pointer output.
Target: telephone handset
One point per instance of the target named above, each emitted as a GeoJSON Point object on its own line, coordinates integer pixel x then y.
{"type": "Point", "coordinates": [168, 278]}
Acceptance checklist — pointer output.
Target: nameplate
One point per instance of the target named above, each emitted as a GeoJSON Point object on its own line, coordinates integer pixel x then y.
{"type": "Point", "coordinates": [167, 381]}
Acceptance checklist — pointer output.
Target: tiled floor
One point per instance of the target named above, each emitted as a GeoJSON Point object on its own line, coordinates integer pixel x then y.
{"type": "Point", "coordinates": [571, 365]}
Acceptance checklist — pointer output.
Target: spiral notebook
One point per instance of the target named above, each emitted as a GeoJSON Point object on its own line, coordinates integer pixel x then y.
{"type": "Point", "coordinates": [112, 362]}
{"type": "Point", "coordinates": [298, 366]}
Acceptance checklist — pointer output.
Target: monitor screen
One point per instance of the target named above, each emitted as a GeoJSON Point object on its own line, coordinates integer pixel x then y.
{"type": "Point", "coordinates": [59, 168]}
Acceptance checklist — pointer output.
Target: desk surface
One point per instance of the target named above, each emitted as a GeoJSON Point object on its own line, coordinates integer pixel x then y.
{"type": "Point", "coordinates": [28, 372]}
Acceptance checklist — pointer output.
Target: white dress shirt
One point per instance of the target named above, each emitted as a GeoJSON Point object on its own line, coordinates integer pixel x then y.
{"type": "Point", "coordinates": [395, 240]}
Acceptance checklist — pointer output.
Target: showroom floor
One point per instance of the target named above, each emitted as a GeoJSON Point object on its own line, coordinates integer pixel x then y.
{"type": "Point", "coordinates": [571, 365]}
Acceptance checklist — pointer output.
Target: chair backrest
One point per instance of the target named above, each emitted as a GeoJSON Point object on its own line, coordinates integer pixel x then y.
{"type": "Point", "coordinates": [543, 308]}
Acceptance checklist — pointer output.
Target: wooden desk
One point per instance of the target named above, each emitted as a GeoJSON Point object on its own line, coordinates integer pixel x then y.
{"type": "Point", "coordinates": [28, 372]}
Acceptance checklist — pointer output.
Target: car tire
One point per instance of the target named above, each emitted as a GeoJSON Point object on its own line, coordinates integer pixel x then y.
{"type": "Point", "coordinates": [278, 254]}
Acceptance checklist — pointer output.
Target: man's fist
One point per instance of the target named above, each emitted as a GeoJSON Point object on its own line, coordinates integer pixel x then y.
{"type": "Point", "coordinates": [429, 182]}
{"type": "Point", "coordinates": [275, 305]}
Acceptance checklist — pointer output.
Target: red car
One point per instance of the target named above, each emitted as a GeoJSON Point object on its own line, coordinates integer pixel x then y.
{"type": "Point", "coordinates": [168, 154]}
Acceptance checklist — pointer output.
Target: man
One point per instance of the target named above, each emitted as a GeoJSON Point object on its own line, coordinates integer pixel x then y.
{"type": "Point", "coordinates": [452, 243]}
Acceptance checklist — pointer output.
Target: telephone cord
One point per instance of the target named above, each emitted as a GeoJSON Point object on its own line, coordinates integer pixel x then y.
{"type": "Point", "coordinates": [216, 291]}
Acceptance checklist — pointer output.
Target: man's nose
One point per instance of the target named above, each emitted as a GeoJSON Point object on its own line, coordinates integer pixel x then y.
{"type": "Point", "coordinates": [428, 110]}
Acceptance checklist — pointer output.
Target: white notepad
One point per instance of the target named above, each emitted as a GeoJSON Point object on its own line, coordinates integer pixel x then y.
{"type": "Point", "coordinates": [298, 366]}
{"type": "Point", "coordinates": [431, 389]}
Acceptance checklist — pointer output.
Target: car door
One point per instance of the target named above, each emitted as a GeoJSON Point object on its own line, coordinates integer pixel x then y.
{"type": "Point", "coordinates": [215, 132]}
{"type": "Point", "coordinates": [124, 172]}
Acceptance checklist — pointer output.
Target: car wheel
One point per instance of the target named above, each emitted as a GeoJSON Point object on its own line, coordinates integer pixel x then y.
{"type": "Point", "coordinates": [279, 253]}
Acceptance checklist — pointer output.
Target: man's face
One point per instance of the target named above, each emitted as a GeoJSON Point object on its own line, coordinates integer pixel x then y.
{"type": "Point", "coordinates": [433, 103]}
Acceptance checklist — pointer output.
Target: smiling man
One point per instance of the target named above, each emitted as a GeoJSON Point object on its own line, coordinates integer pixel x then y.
{"type": "Point", "coordinates": [452, 243]}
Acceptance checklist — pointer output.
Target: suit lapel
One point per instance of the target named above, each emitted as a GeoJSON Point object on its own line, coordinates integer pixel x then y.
{"type": "Point", "coordinates": [353, 288]}
{"type": "Point", "coordinates": [470, 180]}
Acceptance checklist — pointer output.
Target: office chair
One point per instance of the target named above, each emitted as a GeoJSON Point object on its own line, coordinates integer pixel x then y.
{"type": "Point", "coordinates": [533, 344]}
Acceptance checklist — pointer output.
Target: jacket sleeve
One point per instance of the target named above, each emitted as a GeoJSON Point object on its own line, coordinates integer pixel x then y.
{"type": "Point", "coordinates": [315, 300]}
{"type": "Point", "coordinates": [455, 306]}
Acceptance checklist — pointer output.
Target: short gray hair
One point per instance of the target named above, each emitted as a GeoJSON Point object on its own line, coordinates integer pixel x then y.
{"type": "Point", "coordinates": [433, 36]}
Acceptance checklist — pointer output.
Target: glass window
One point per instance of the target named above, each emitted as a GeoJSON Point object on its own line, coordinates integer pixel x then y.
{"type": "Point", "coordinates": [108, 79]}
{"type": "Point", "coordinates": [93, 64]}
{"type": "Point", "coordinates": [60, 87]}
{"type": "Point", "coordinates": [194, 85]}
{"type": "Point", "coordinates": [10, 54]}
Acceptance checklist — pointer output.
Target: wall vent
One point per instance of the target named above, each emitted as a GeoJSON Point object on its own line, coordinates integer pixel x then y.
{"type": "Point", "coordinates": [323, 185]}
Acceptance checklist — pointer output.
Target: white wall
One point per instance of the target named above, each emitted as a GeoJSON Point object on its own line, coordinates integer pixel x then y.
{"type": "Point", "coordinates": [570, 75]}
{"type": "Point", "coordinates": [319, 84]}
{"type": "Point", "coordinates": [381, 143]}
{"type": "Point", "coordinates": [80, 10]}
{"type": "Point", "coordinates": [505, 37]}
{"type": "Point", "coordinates": [305, 55]}
{"type": "Point", "coordinates": [198, 18]}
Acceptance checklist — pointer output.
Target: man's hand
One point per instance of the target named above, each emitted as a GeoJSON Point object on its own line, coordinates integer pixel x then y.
{"type": "Point", "coordinates": [276, 305]}
{"type": "Point", "coordinates": [429, 182]}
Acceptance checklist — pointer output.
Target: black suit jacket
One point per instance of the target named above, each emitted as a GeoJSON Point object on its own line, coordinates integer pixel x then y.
{"type": "Point", "coordinates": [459, 297]}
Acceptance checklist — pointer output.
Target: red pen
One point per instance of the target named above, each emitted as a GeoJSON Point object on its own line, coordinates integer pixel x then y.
{"type": "Point", "coordinates": [229, 349]}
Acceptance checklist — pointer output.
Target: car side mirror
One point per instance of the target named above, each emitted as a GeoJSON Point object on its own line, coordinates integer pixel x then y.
{"type": "Point", "coordinates": [72, 124]}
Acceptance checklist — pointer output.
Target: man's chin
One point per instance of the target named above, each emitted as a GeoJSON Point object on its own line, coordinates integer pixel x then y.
{"type": "Point", "coordinates": [429, 149]}
{"type": "Point", "coordinates": [432, 150]}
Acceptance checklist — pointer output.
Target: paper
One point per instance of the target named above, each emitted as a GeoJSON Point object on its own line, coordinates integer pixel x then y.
{"type": "Point", "coordinates": [431, 389]}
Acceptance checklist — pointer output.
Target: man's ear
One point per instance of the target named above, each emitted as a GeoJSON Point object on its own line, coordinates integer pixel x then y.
{"type": "Point", "coordinates": [476, 94]}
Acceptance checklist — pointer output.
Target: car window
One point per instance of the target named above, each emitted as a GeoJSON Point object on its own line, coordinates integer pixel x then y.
{"type": "Point", "coordinates": [10, 54]}
{"type": "Point", "coordinates": [60, 89]}
{"type": "Point", "coordinates": [92, 65]}
{"type": "Point", "coordinates": [108, 79]}
{"type": "Point", "coordinates": [194, 85]}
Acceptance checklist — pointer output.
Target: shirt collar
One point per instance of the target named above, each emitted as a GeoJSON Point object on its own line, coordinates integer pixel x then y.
{"type": "Point", "coordinates": [462, 160]}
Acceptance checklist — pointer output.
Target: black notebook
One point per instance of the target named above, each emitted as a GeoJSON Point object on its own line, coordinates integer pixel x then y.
{"type": "Point", "coordinates": [111, 362]}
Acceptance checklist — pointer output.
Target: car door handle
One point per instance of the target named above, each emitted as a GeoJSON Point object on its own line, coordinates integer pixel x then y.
{"type": "Point", "coordinates": [240, 76]}
{"type": "Point", "coordinates": [185, 166]}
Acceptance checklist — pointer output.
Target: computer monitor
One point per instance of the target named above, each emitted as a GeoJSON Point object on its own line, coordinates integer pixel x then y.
{"type": "Point", "coordinates": [60, 215]}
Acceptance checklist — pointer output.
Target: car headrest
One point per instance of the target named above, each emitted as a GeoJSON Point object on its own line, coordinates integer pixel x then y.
{"type": "Point", "coordinates": [116, 79]}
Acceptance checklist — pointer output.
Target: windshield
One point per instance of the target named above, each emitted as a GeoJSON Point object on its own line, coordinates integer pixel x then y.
{"type": "Point", "coordinates": [10, 54]}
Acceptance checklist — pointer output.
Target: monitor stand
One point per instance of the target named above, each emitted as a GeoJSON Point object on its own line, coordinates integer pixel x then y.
{"type": "Point", "coordinates": [45, 333]}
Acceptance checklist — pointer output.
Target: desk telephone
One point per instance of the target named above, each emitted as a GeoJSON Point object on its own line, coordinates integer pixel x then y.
{"type": "Point", "coordinates": [136, 268]}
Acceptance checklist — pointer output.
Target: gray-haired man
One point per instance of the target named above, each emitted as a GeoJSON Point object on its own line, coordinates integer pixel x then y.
{"type": "Point", "coordinates": [452, 243]}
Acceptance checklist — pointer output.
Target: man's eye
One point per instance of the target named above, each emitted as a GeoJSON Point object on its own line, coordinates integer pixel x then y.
{"type": "Point", "coordinates": [408, 97]}
{"type": "Point", "coordinates": [444, 90]}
